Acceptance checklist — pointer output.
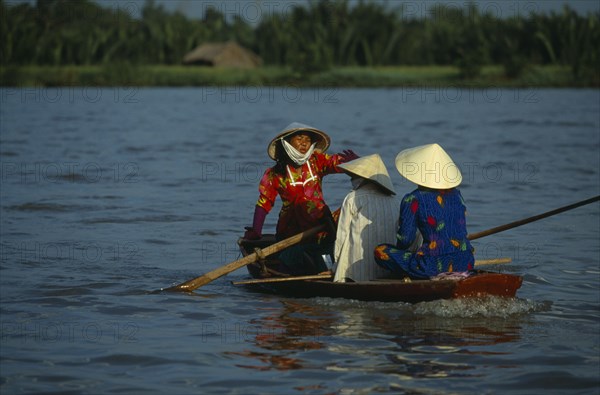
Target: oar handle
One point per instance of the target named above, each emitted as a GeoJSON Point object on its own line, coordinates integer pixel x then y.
{"type": "Point", "coordinates": [524, 221]}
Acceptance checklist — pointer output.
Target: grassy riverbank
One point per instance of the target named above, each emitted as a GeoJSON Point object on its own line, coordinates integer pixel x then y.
{"type": "Point", "coordinates": [130, 75]}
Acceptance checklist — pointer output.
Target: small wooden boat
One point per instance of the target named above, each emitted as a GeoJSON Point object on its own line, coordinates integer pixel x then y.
{"type": "Point", "coordinates": [479, 283]}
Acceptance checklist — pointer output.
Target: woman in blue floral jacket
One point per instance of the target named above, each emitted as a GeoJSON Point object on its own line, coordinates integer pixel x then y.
{"type": "Point", "coordinates": [435, 209]}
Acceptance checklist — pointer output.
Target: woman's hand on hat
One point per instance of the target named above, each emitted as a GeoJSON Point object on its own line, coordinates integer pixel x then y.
{"type": "Point", "coordinates": [348, 155]}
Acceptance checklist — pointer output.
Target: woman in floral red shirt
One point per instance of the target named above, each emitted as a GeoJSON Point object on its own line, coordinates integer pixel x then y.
{"type": "Point", "coordinates": [299, 151]}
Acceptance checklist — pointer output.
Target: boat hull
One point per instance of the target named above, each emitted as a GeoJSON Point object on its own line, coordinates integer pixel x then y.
{"type": "Point", "coordinates": [478, 284]}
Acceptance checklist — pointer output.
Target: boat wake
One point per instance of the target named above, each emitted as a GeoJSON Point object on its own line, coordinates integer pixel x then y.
{"type": "Point", "coordinates": [489, 306]}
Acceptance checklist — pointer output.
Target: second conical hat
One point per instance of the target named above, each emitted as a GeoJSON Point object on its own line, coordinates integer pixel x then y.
{"type": "Point", "coordinates": [372, 168]}
{"type": "Point", "coordinates": [429, 166]}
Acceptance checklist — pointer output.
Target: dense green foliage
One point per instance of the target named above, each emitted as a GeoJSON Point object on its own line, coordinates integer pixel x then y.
{"type": "Point", "coordinates": [310, 38]}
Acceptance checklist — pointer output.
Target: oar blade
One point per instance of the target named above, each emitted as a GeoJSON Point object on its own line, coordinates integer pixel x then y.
{"type": "Point", "coordinates": [197, 282]}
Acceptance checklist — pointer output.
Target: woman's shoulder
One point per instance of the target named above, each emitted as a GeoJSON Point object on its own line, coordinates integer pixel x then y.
{"type": "Point", "coordinates": [414, 193]}
{"type": "Point", "coordinates": [320, 156]}
{"type": "Point", "coordinates": [426, 194]}
{"type": "Point", "coordinates": [272, 173]}
{"type": "Point", "coordinates": [451, 196]}
{"type": "Point", "coordinates": [411, 196]}
{"type": "Point", "coordinates": [454, 192]}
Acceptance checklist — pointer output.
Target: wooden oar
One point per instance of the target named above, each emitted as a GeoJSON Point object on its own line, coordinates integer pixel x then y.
{"type": "Point", "coordinates": [197, 282]}
{"type": "Point", "coordinates": [524, 221]}
{"type": "Point", "coordinates": [284, 279]}
{"type": "Point", "coordinates": [495, 261]}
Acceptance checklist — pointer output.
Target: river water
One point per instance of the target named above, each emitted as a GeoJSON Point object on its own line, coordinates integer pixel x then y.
{"type": "Point", "coordinates": [110, 193]}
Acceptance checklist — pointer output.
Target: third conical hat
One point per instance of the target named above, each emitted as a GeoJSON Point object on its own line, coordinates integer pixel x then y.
{"type": "Point", "coordinates": [372, 168]}
{"type": "Point", "coordinates": [429, 166]}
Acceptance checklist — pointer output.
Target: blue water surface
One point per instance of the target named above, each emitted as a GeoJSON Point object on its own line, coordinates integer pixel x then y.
{"type": "Point", "coordinates": [108, 194]}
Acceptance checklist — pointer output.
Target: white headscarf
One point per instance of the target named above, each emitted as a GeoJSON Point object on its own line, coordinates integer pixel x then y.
{"type": "Point", "coordinates": [295, 155]}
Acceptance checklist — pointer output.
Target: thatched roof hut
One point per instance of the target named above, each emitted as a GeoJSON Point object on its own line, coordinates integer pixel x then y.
{"type": "Point", "coordinates": [229, 54]}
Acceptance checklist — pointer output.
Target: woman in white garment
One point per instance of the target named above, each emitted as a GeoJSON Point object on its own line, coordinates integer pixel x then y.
{"type": "Point", "coordinates": [369, 214]}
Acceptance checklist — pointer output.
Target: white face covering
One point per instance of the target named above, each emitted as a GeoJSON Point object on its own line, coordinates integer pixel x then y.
{"type": "Point", "coordinates": [295, 155]}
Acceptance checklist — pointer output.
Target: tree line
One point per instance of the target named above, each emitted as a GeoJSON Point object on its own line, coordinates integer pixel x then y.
{"type": "Point", "coordinates": [313, 37]}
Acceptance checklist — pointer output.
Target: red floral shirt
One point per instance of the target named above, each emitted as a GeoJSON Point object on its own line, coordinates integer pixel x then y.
{"type": "Point", "coordinates": [301, 193]}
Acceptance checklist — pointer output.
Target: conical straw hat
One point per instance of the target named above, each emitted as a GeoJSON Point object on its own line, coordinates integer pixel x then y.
{"type": "Point", "coordinates": [322, 139]}
{"type": "Point", "coordinates": [429, 166]}
{"type": "Point", "coordinates": [372, 168]}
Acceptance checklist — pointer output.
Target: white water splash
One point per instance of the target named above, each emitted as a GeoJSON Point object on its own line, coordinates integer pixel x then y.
{"type": "Point", "coordinates": [479, 307]}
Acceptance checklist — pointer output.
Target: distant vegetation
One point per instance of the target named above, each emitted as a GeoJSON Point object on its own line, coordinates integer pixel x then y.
{"type": "Point", "coordinates": [319, 38]}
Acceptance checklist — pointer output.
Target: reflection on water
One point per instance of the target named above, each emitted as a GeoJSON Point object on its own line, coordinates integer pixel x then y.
{"type": "Point", "coordinates": [384, 338]}
{"type": "Point", "coordinates": [282, 332]}
{"type": "Point", "coordinates": [424, 346]}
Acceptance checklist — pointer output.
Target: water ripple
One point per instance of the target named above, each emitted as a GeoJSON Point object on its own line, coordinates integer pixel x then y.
{"type": "Point", "coordinates": [149, 218]}
{"type": "Point", "coordinates": [49, 207]}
